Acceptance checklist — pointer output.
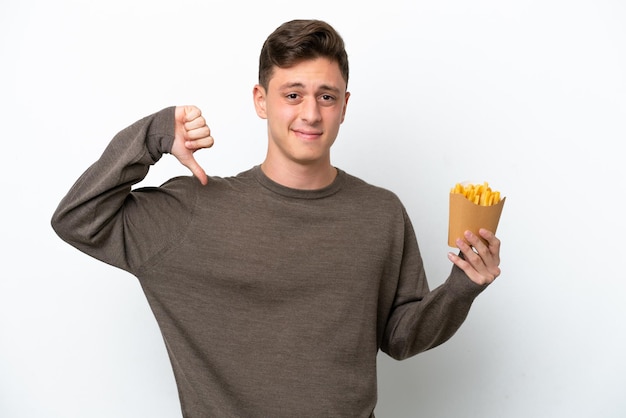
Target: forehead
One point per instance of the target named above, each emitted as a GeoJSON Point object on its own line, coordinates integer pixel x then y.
{"type": "Point", "coordinates": [309, 74]}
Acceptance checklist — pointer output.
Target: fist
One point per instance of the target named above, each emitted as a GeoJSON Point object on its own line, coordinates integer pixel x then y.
{"type": "Point", "coordinates": [191, 134]}
{"type": "Point", "coordinates": [192, 129]}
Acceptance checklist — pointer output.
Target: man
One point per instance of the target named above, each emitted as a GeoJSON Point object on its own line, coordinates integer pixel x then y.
{"type": "Point", "coordinates": [274, 289]}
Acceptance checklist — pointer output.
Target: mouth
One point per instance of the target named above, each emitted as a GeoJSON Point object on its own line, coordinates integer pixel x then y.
{"type": "Point", "coordinates": [307, 134]}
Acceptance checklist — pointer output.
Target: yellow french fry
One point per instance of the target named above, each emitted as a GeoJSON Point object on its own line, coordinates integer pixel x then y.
{"type": "Point", "coordinates": [484, 197]}
{"type": "Point", "coordinates": [480, 194]}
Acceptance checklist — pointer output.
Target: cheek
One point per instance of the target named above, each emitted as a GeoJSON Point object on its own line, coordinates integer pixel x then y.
{"type": "Point", "coordinates": [283, 112]}
{"type": "Point", "coordinates": [279, 121]}
{"type": "Point", "coordinates": [335, 117]}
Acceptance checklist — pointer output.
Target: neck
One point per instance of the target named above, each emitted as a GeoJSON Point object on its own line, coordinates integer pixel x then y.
{"type": "Point", "coordinates": [299, 176]}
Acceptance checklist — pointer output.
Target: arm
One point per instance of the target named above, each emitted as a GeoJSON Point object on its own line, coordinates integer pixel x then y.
{"type": "Point", "coordinates": [102, 217]}
{"type": "Point", "coordinates": [421, 319]}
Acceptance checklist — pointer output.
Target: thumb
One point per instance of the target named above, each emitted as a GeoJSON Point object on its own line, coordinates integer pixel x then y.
{"type": "Point", "coordinates": [196, 169]}
{"type": "Point", "coordinates": [191, 113]}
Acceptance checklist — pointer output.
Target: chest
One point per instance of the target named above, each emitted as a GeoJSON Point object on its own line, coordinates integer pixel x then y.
{"type": "Point", "coordinates": [278, 248]}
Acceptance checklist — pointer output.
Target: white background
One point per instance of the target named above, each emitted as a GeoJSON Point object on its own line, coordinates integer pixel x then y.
{"type": "Point", "coordinates": [528, 95]}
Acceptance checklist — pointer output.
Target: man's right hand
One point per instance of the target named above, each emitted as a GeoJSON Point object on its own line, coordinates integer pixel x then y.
{"type": "Point", "coordinates": [191, 134]}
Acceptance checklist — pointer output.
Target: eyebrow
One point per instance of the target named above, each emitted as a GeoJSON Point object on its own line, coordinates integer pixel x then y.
{"type": "Point", "coordinates": [323, 87]}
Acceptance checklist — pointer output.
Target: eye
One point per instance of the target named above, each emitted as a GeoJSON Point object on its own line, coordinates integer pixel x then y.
{"type": "Point", "coordinates": [292, 96]}
{"type": "Point", "coordinates": [327, 100]}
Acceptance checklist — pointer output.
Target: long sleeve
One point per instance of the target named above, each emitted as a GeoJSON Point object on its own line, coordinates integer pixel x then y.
{"type": "Point", "coordinates": [102, 217]}
{"type": "Point", "coordinates": [421, 318]}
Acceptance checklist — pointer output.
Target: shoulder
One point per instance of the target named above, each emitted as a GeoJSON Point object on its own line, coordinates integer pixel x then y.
{"type": "Point", "coordinates": [191, 183]}
{"type": "Point", "coordinates": [190, 189]}
{"type": "Point", "coordinates": [373, 201]}
{"type": "Point", "coordinates": [370, 192]}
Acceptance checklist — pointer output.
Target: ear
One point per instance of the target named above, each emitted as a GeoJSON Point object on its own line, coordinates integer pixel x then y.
{"type": "Point", "coordinates": [345, 106]}
{"type": "Point", "coordinates": [258, 95]}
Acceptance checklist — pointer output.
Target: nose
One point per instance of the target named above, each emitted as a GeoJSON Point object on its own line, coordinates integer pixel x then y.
{"type": "Point", "coordinates": [310, 111]}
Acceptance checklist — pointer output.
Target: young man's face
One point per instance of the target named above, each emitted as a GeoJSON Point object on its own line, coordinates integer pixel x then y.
{"type": "Point", "coordinates": [304, 106]}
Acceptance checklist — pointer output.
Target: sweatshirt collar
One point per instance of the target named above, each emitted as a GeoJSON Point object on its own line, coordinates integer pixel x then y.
{"type": "Point", "coordinates": [277, 188]}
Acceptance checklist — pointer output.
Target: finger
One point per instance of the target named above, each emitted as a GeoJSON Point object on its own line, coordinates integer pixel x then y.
{"type": "Point", "coordinates": [196, 170]}
{"type": "Point", "coordinates": [468, 250]}
{"type": "Point", "coordinates": [479, 277]}
{"type": "Point", "coordinates": [475, 242]}
{"type": "Point", "coordinates": [471, 263]}
{"type": "Point", "coordinates": [492, 241]}
{"type": "Point", "coordinates": [198, 133]}
{"type": "Point", "coordinates": [467, 267]}
{"type": "Point", "coordinates": [196, 144]}
{"type": "Point", "coordinates": [459, 261]}
{"type": "Point", "coordinates": [492, 256]}
{"type": "Point", "coordinates": [191, 113]}
{"type": "Point", "coordinates": [486, 258]}
{"type": "Point", "coordinates": [195, 123]}
{"type": "Point", "coordinates": [477, 261]}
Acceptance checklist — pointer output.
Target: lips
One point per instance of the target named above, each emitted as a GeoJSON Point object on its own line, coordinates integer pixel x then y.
{"type": "Point", "coordinates": [307, 134]}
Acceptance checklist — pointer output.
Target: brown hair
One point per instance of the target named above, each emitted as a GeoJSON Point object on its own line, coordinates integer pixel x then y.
{"type": "Point", "coordinates": [299, 40]}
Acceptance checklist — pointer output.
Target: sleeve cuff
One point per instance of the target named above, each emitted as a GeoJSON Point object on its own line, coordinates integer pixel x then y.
{"type": "Point", "coordinates": [462, 285]}
{"type": "Point", "coordinates": [160, 135]}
